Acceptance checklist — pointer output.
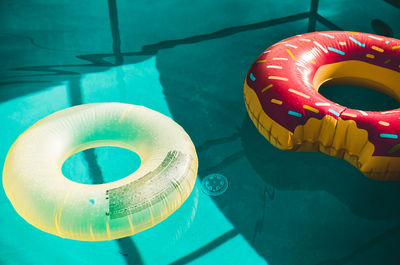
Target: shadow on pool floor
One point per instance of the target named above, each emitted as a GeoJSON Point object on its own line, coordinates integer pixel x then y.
{"type": "Point", "coordinates": [202, 78]}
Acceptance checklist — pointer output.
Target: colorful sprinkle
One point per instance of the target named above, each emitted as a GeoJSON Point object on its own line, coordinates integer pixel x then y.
{"type": "Point", "coordinates": [363, 113]}
{"type": "Point", "coordinates": [370, 55]}
{"type": "Point", "coordinates": [336, 50]}
{"type": "Point", "coordinates": [390, 111]}
{"type": "Point", "coordinates": [280, 59]}
{"type": "Point", "coordinates": [293, 113]}
{"type": "Point", "coordinates": [327, 35]}
{"type": "Point", "coordinates": [312, 62]}
{"type": "Point", "coordinates": [334, 112]}
{"type": "Point", "coordinates": [389, 135]}
{"type": "Point", "coordinates": [274, 66]}
{"type": "Point", "coordinates": [310, 108]}
{"type": "Point", "coordinates": [348, 114]}
{"type": "Point", "coordinates": [266, 88]}
{"type": "Point", "coordinates": [290, 45]}
{"type": "Point", "coordinates": [387, 42]}
{"type": "Point", "coordinates": [395, 47]}
{"type": "Point", "coordinates": [322, 47]}
{"type": "Point", "coordinates": [252, 77]}
{"type": "Point", "coordinates": [304, 40]}
{"type": "Point", "coordinates": [261, 61]}
{"type": "Point", "coordinates": [342, 43]}
{"type": "Point", "coordinates": [356, 42]}
{"type": "Point", "coordinates": [278, 78]}
{"type": "Point", "coordinates": [322, 104]}
{"type": "Point", "coordinates": [394, 149]}
{"type": "Point", "coordinates": [373, 37]}
{"type": "Point", "coordinates": [298, 93]}
{"type": "Point", "coordinates": [276, 101]}
{"type": "Point", "coordinates": [281, 42]}
{"type": "Point", "coordinates": [291, 54]}
{"type": "Point", "coordinates": [387, 61]}
{"type": "Point", "coordinates": [377, 48]}
{"type": "Point", "coordinates": [267, 51]}
{"type": "Point", "coordinates": [384, 123]}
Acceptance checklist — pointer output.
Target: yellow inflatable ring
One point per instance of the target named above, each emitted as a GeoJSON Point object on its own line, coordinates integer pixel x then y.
{"type": "Point", "coordinates": [45, 198]}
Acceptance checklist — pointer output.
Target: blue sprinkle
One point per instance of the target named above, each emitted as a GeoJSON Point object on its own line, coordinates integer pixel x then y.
{"type": "Point", "coordinates": [336, 50]}
{"type": "Point", "coordinates": [327, 35]}
{"type": "Point", "coordinates": [290, 45]}
{"type": "Point", "coordinates": [334, 112]}
{"type": "Point", "coordinates": [293, 113]}
{"type": "Point", "coordinates": [252, 77]}
{"type": "Point", "coordinates": [387, 42]}
{"type": "Point", "coordinates": [388, 135]}
{"type": "Point", "coordinates": [356, 42]}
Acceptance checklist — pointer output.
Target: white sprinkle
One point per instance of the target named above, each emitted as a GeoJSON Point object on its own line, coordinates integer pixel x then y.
{"type": "Point", "coordinates": [274, 66]}
{"type": "Point", "coordinates": [319, 45]}
{"type": "Point", "coordinates": [391, 111]}
{"type": "Point", "coordinates": [363, 113]}
{"type": "Point", "coordinates": [322, 104]}
{"type": "Point", "coordinates": [373, 37]}
{"type": "Point", "coordinates": [349, 115]}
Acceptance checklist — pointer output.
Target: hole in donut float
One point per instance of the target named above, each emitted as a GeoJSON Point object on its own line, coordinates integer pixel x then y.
{"type": "Point", "coordinates": [359, 85]}
{"type": "Point", "coordinates": [358, 97]}
{"type": "Point", "coordinates": [100, 165]}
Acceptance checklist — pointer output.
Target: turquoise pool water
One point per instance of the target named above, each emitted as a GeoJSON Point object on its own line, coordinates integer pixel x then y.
{"type": "Point", "coordinates": [188, 60]}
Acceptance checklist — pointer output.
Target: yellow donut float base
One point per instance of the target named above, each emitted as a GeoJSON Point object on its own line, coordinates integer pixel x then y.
{"type": "Point", "coordinates": [335, 137]}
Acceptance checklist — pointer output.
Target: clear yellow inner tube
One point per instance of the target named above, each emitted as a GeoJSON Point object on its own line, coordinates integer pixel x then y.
{"type": "Point", "coordinates": [45, 198]}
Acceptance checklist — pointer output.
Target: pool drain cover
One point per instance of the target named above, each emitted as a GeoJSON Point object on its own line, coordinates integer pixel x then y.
{"type": "Point", "coordinates": [214, 184]}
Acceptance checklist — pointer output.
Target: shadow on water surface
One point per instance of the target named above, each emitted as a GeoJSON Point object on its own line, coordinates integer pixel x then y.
{"type": "Point", "coordinates": [364, 197]}
{"type": "Point", "coordinates": [315, 172]}
{"type": "Point", "coordinates": [204, 93]}
{"type": "Point", "coordinates": [127, 247]}
{"type": "Point", "coordinates": [206, 100]}
{"type": "Point", "coordinates": [364, 248]}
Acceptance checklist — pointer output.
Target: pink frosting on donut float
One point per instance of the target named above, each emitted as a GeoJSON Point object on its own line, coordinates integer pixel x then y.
{"type": "Point", "coordinates": [283, 79]}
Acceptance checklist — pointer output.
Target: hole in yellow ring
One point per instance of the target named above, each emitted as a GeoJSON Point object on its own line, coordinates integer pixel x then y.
{"type": "Point", "coordinates": [100, 165]}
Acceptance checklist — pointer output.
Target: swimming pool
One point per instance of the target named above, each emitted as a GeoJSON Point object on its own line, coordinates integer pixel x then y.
{"type": "Point", "coordinates": [188, 61]}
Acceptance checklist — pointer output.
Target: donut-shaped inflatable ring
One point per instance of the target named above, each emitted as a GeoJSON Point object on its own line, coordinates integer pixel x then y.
{"type": "Point", "coordinates": [45, 198]}
{"type": "Point", "coordinates": [282, 99]}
